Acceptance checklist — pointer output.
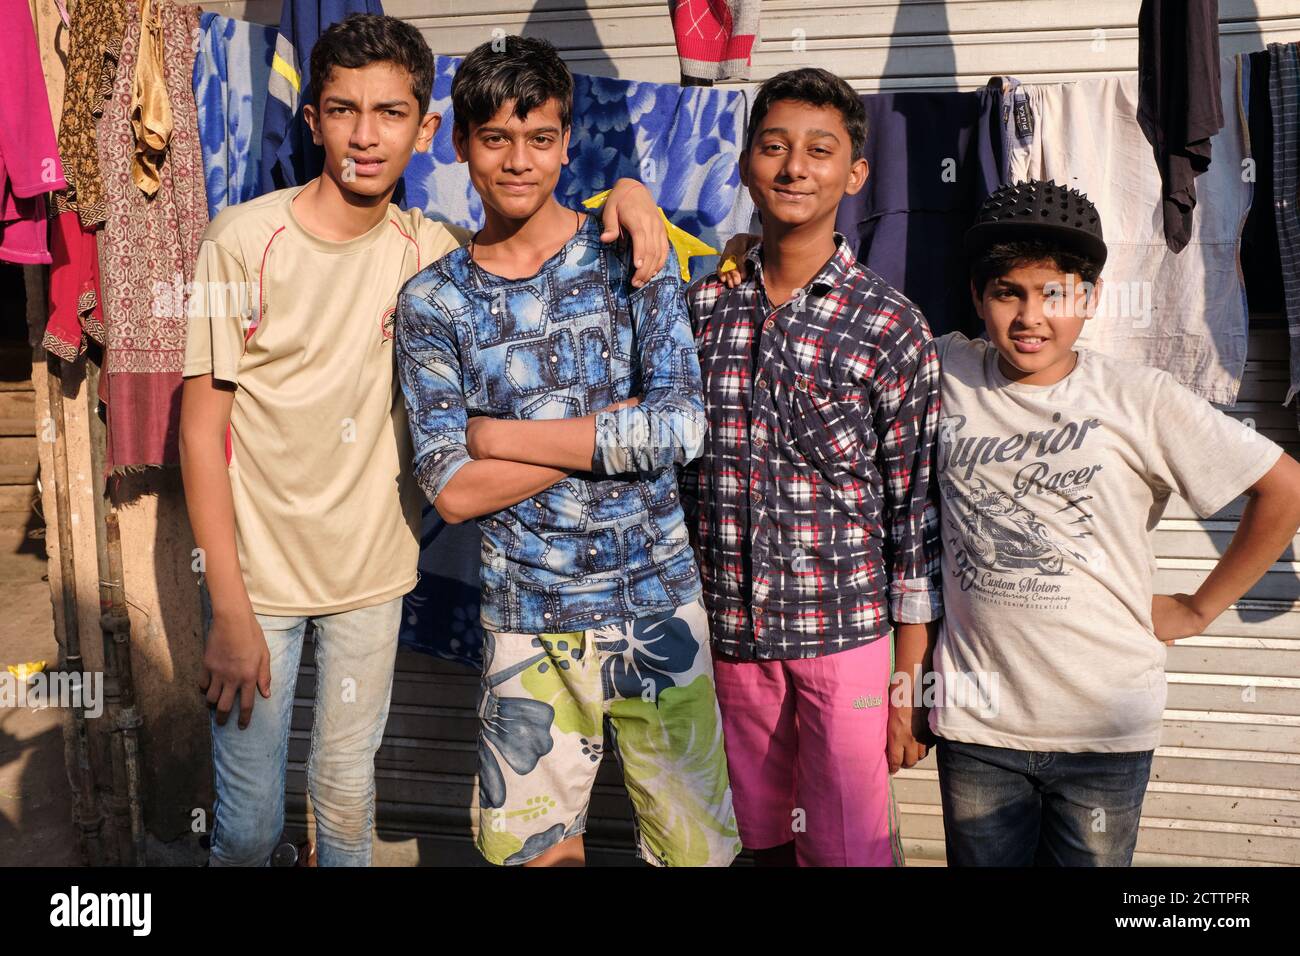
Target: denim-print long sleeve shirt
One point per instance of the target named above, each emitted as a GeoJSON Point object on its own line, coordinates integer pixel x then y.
{"type": "Point", "coordinates": [813, 497]}
{"type": "Point", "coordinates": [598, 547]}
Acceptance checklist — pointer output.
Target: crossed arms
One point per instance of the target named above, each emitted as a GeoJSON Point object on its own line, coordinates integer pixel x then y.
{"type": "Point", "coordinates": [470, 467]}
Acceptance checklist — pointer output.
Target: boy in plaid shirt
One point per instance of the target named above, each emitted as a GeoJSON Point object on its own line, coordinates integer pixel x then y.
{"type": "Point", "coordinates": [818, 536]}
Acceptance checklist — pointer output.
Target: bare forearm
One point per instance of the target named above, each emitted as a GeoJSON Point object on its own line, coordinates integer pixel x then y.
{"type": "Point", "coordinates": [211, 508]}
{"type": "Point", "coordinates": [907, 735]}
{"type": "Point", "coordinates": [488, 485]}
{"type": "Point", "coordinates": [913, 647]}
{"type": "Point", "coordinates": [1268, 524]}
{"type": "Point", "coordinates": [567, 443]}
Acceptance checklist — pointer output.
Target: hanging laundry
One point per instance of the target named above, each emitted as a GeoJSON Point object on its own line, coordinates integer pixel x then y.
{"type": "Point", "coordinates": [29, 155]}
{"type": "Point", "coordinates": [151, 114]}
{"type": "Point", "coordinates": [92, 68]}
{"type": "Point", "coordinates": [440, 615]}
{"type": "Point", "coordinates": [1178, 103]}
{"type": "Point", "coordinates": [74, 311]}
{"type": "Point", "coordinates": [933, 158]}
{"type": "Point", "coordinates": [52, 34]}
{"type": "Point", "coordinates": [231, 73]}
{"type": "Point", "coordinates": [683, 142]}
{"type": "Point", "coordinates": [1017, 124]}
{"type": "Point", "coordinates": [1284, 100]}
{"type": "Point", "coordinates": [288, 156]}
{"type": "Point", "coordinates": [1186, 312]}
{"type": "Point", "coordinates": [1260, 266]}
{"type": "Point", "coordinates": [75, 295]}
{"type": "Point", "coordinates": [148, 248]}
{"type": "Point", "coordinates": [715, 38]}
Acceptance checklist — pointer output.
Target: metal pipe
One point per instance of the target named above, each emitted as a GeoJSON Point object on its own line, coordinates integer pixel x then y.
{"type": "Point", "coordinates": [128, 719]}
{"type": "Point", "coordinates": [81, 777]}
{"type": "Point", "coordinates": [121, 846]}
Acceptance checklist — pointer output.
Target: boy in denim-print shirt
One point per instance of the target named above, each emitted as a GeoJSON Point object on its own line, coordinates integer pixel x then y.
{"type": "Point", "coordinates": [551, 399]}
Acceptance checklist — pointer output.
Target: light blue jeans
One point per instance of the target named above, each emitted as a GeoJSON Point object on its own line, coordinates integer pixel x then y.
{"type": "Point", "coordinates": [355, 654]}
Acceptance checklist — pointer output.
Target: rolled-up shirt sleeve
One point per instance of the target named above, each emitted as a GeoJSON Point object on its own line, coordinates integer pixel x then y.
{"type": "Point", "coordinates": [905, 413]}
{"type": "Point", "coordinates": [428, 366]}
{"type": "Point", "coordinates": [667, 427]}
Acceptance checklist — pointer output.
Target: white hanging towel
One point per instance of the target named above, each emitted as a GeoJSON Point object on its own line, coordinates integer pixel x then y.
{"type": "Point", "coordinates": [1186, 312]}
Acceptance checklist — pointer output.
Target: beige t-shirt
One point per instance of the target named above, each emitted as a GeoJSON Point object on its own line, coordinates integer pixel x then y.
{"type": "Point", "coordinates": [1049, 498]}
{"type": "Point", "coordinates": [327, 512]}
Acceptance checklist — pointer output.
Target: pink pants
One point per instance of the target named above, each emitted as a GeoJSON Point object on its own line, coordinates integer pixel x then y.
{"type": "Point", "coordinates": [805, 744]}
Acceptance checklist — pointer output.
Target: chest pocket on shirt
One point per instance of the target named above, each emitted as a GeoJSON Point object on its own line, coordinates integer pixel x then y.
{"type": "Point", "coordinates": [492, 576]}
{"type": "Point", "coordinates": [509, 315]}
{"type": "Point", "coordinates": [612, 499]}
{"type": "Point", "coordinates": [543, 365]}
{"type": "Point", "coordinates": [585, 299]}
{"type": "Point", "coordinates": [827, 425]}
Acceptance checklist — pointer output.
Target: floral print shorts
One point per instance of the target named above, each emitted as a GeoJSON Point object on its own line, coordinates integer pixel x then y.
{"type": "Point", "coordinates": [553, 703]}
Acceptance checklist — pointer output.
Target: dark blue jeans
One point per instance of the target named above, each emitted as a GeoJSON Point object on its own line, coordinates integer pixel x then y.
{"type": "Point", "coordinates": [1005, 807]}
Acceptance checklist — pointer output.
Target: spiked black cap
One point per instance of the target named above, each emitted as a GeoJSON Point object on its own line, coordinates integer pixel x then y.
{"type": "Point", "coordinates": [1038, 210]}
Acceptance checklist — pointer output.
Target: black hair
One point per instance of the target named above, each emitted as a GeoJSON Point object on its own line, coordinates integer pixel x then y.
{"type": "Point", "coordinates": [998, 259]}
{"type": "Point", "coordinates": [525, 70]}
{"type": "Point", "coordinates": [364, 38]}
{"type": "Point", "coordinates": [816, 87]}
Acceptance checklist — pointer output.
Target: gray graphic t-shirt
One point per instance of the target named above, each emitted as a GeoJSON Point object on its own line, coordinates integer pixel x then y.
{"type": "Point", "coordinates": [1049, 498]}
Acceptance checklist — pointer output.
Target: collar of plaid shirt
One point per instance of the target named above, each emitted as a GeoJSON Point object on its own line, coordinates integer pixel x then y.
{"type": "Point", "coordinates": [828, 277]}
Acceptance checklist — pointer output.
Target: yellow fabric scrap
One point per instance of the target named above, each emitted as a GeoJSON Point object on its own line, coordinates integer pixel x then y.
{"type": "Point", "coordinates": [682, 241]}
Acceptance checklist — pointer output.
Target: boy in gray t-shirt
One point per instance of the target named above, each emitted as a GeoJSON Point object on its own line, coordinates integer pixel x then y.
{"type": "Point", "coordinates": [1055, 464]}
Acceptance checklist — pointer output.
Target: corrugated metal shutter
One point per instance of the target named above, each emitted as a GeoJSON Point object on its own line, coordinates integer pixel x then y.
{"type": "Point", "coordinates": [1226, 782]}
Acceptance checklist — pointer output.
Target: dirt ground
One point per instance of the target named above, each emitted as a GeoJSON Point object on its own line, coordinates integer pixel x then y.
{"type": "Point", "coordinates": [36, 824]}
{"type": "Point", "coordinates": [36, 827]}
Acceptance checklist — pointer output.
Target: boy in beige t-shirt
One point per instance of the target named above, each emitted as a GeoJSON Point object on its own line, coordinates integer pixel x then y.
{"type": "Point", "coordinates": [1054, 466]}
{"type": "Point", "coordinates": [295, 450]}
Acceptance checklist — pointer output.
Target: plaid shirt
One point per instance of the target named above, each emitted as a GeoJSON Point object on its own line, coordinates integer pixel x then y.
{"type": "Point", "coordinates": [812, 499]}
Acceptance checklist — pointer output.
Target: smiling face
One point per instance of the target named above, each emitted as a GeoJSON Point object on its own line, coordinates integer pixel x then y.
{"type": "Point", "coordinates": [800, 164]}
{"type": "Point", "coordinates": [369, 122]}
{"type": "Point", "coordinates": [1034, 312]}
{"type": "Point", "coordinates": [515, 163]}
